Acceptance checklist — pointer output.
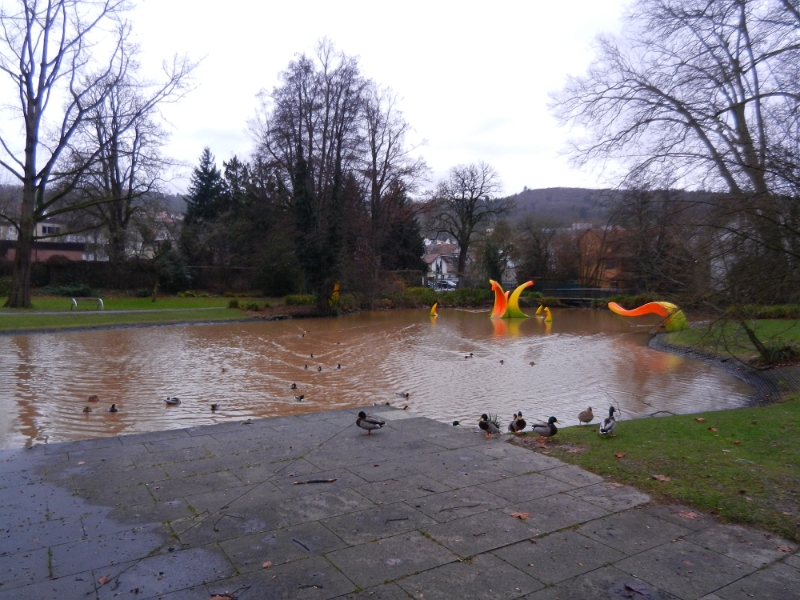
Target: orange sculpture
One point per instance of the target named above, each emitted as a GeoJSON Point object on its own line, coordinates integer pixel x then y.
{"type": "Point", "coordinates": [674, 319]}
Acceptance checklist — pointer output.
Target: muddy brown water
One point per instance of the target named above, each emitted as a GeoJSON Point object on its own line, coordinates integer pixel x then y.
{"type": "Point", "coordinates": [585, 358]}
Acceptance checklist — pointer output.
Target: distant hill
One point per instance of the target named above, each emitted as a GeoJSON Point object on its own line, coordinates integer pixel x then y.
{"type": "Point", "coordinates": [561, 205]}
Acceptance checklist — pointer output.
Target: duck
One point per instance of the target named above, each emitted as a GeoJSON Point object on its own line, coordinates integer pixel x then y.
{"type": "Point", "coordinates": [402, 394]}
{"type": "Point", "coordinates": [215, 407]}
{"type": "Point", "coordinates": [533, 364]}
{"type": "Point", "coordinates": [502, 361]}
{"type": "Point", "coordinates": [368, 422]}
{"type": "Point", "coordinates": [609, 423]}
{"type": "Point", "coordinates": [586, 416]}
{"type": "Point", "coordinates": [113, 408]}
{"type": "Point", "coordinates": [293, 386]}
{"type": "Point", "coordinates": [339, 365]}
{"type": "Point", "coordinates": [486, 425]}
{"type": "Point", "coordinates": [94, 398]}
{"type": "Point", "coordinates": [87, 409]}
{"type": "Point", "coordinates": [312, 355]}
{"type": "Point", "coordinates": [305, 367]}
{"type": "Point", "coordinates": [546, 430]}
{"type": "Point", "coordinates": [518, 424]}
{"type": "Point", "coordinates": [172, 401]}
{"type": "Point", "coordinates": [319, 369]}
{"type": "Point", "coordinates": [300, 397]}
{"type": "Point", "coordinates": [456, 423]}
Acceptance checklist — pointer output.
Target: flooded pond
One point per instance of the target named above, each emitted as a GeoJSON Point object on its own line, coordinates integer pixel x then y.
{"type": "Point", "coordinates": [584, 359]}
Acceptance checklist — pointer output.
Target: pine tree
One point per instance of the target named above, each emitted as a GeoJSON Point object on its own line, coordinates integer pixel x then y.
{"type": "Point", "coordinates": [205, 191]}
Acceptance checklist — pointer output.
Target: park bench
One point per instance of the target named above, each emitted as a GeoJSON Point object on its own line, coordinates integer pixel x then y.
{"type": "Point", "coordinates": [98, 300]}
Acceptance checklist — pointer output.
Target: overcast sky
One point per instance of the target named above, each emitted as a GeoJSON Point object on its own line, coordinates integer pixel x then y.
{"type": "Point", "coordinates": [473, 78]}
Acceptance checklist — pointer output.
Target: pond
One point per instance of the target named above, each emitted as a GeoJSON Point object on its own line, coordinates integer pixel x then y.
{"type": "Point", "coordinates": [586, 358]}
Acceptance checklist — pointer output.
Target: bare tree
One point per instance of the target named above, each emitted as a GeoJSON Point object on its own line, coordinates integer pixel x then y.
{"type": "Point", "coordinates": [466, 203]}
{"type": "Point", "coordinates": [62, 58]}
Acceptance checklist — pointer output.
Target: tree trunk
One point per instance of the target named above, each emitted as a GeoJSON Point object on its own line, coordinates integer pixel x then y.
{"type": "Point", "coordinates": [20, 294]}
{"type": "Point", "coordinates": [155, 289]}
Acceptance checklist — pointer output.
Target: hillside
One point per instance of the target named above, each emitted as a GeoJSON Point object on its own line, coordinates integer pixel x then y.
{"type": "Point", "coordinates": [561, 205]}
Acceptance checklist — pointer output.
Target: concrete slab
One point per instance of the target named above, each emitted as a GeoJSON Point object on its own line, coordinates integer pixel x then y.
{"type": "Point", "coordinates": [389, 559]}
{"type": "Point", "coordinates": [611, 496]}
{"type": "Point", "coordinates": [375, 523]}
{"type": "Point", "coordinates": [632, 531]}
{"type": "Point", "coordinates": [483, 577]}
{"type": "Point", "coordinates": [776, 581]}
{"type": "Point", "coordinates": [457, 503]}
{"type": "Point", "coordinates": [684, 569]}
{"type": "Point", "coordinates": [558, 556]}
{"type": "Point", "coordinates": [555, 512]}
{"type": "Point", "coordinates": [526, 487]}
{"type": "Point", "coordinates": [607, 583]}
{"type": "Point", "coordinates": [479, 533]}
{"type": "Point", "coordinates": [744, 544]}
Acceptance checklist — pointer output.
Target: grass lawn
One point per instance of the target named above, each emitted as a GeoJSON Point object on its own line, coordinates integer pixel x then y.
{"type": "Point", "coordinates": [62, 303]}
{"type": "Point", "coordinates": [32, 322]}
{"type": "Point", "coordinates": [730, 338]}
{"type": "Point", "coordinates": [742, 465]}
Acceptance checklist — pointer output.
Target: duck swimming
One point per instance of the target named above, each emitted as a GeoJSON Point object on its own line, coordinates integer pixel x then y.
{"type": "Point", "coordinates": [486, 425]}
{"type": "Point", "coordinates": [172, 401]}
{"type": "Point", "coordinates": [214, 407]}
{"type": "Point", "coordinates": [546, 430]}
{"type": "Point", "coordinates": [368, 422]}
{"type": "Point", "coordinates": [113, 408]}
{"type": "Point", "coordinates": [293, 386]}
{"type": "Point", "coordinates": [300, 397]}
{"type": "Point", "coordinates": [87, 409]}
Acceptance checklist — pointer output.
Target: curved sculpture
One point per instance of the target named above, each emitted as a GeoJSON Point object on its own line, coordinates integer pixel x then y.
{"type": "Point", "coordinates": [500, 300]}
{"type": "Point", "coordinates": [539, 310]}
{"type": "Point", "coordinates": [674, 319]}
{"type": "Point", "coordinates": [433, 309]}
{"type": "Point", "coordinates": [513, 311]}
{"type": "Point", "coordinates": [548, 318]}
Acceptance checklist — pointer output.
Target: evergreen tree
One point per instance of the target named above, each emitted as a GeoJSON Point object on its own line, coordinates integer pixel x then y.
{"type": "Point", "coordinates": [205, 191]}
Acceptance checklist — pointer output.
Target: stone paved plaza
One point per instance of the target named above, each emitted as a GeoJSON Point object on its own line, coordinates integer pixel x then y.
{"type": "Point", "coordinates": [417, 510]}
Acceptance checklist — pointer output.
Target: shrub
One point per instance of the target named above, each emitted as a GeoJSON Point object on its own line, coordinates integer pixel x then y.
{"type": "Point", "coordinates": [72, 290]}
{"type": "Point", "coordinates": [234, 303]}
{"type": "Point", "coordinates": [143, 293]}
{"type": "Point", "coordinates": [228, 295]}
{"type": "Point", "coordinates": [5, 286]}
{"type": "Point", "coordinates": [469, 296]}
{"type": "Point", "coordinates": [550, 301]}
{"type": "Point", "coordinates": [254, 306]}
{"type": "Point", "coordinates": [300, 300]}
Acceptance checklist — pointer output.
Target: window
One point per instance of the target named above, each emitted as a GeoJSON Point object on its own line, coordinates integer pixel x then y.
{"type": "Point", "coordinates": [50, 230]}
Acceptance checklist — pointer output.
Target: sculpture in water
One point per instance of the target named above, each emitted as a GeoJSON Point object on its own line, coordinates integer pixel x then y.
{"type": "Point", "coordinates": [433, 309]}
{"type": "Point", "coordinates": [506, 307]}
{"type": "Point", "coordinates": [674, 319]}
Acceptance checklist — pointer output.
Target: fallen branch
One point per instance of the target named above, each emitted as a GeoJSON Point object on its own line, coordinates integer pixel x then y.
{"type": "Point", "coordinates": [315, 481]}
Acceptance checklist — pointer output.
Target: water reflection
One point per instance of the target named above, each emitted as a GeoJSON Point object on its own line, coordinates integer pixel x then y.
{"type": "Point", "coordinates": [585, 358]}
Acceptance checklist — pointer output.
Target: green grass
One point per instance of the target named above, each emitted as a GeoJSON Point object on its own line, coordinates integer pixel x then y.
{"type": "Point", "coordinates": [27, 321]}
{"type": "Point", "coordinates": [755, 482]}
{"type": "Point", "coordinates": [730, 338]}
{"type": "Point", "coordinates": [62, 303]}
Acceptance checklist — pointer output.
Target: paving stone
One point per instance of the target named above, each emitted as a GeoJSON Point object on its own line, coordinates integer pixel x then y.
{"type": "Point", "coordinates": [82, 445]}
{"type": "Point", "coordinates": [374, 523]}
{"type": "Point", "coordinates": [22, 568]}
{"type": "Point", "coordinates": [198, 484]}
{"type": "Point", "coordinates": [250, 552]}
{"type": "Point", "coordinates": [40, 535]}
{"type": "Point", "coordinates": [485, 576]}
{"type": "Point", "coordinates": [479, 533]}
{"type": "Point", "coordinates": [683, 569]}
{"type": "Point", "coordinates": [681, 515]}
{"type": "Point", "coordinates": [101, 551]}
{"type": "Point", "coordinates": [391, 469]}
{"type": "Point", "coordinates": [403, 488]}
{"type": "Point", "coordinates": [776, 581]}
{"type": "Point", "coordinates": [607, 583]}
{"type": "Point", "coordinates": [228, 524]}
{"type": "Point", "coordinates": [611, 496]}
{"type": "Point", "coordinates": [211, 464]}
{"type": "Point", "coordinates": [166, 458]}
{"type": "Point", "coordinates": [322, 505]}
{"type": "Point", "coordinates": [793, 561]}
{"type": "Point", "coordinates": [276, 471]}
{"type": "Point", "coordinates": [175, 436]}
{"type": "Point", "coordinates": [632, 531]}
{"type": "Point", "coordinates": [558, 556]}
{"type": "Point", "coordinates": [198, 592]}
{"type": "Point", "coordinates": [238, 497]}
{"type": "Point", "coordinates": [310, 579]}
{"type": "Point", "coordinates": [143, 514]}
{"type": "Point", "coordinates": [343, 479]}
{"type": "Point", "coordinates": [389, 559]}
{"type": "Point", "coordinates": [457, 503]}
{"type": "Point", "coordinates": [555, 512]}
{"type": "Point", "coordinates": [78, 586]}
{"type": "Point", "coordinates": [741, 543]}
{"type": "Point", "coordinates": [164, 573]}
{"type": "Point", "coordinates": [532, 463]}
{"type": "Point", "coordinates": [526, 487]}
{"type": "Point", "coordinates": [388, 591]}
{"type": "Point", "coordinates": [574, 476]}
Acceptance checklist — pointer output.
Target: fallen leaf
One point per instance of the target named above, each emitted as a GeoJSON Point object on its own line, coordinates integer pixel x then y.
{"type": "Point", "coordinates": [660, 477]}
{"type": "Point", "coordinates": [727, 451]}
{"type": "Point", "coordinates": [521, 515]}
{"type": "Point", "coordinates": [224, 597]}
{"type": "Point", "coordinates": [83, 462]}
{"type": "Point", "coordinates": [620, 455]}
{"type": "Point", "coordinates": [687, 514]}
{"type": "Point", "coordinates": [103, 580]}
{"type": "Point", "coordinates": [267, 565]}
{"type": "Point", "coordinates": [712, 428]}
{"type": "Point", "coordinates": [784, 549]}
{"type": "Point", "coordinates": [376, 465]}
{"type": "Point", "coordinates": [700, 420]}
{"type": "Point", "coordinates": [736, 443]}
{"type": "Point", "coordinates": [688, 562]}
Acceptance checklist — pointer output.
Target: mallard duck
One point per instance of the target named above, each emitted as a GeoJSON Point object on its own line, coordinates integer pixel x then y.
{"type": "Point", "coordinates": [293, 386]}
{"type": "Point", "coordinates": [502, 361]}
{"type": "Point", "coordinates": [87, 409]}
{"type": "Point", "coordinates": [546, 430]}
{"type": "Point", "coordinates": [609, 423]}
{"type": "Point", "coordinates": [305, 367]}
{"type": "Point", "coordinates": [214, 407]}
{"type": "Point", "coordinates": [172, 401]}
{"type": "Point", "coordinates": [486, 425]}
{"type": "Point", "coordinates": [312, 355]}
{"type": "Point", "coordinates": [519, 423]}
{"type": "Point", "coordinates": [586, 416]}
{"type": "Point", "coordinates": [368, 422]}
{"type": "Point", "coordinates": [456, 423]}
{"type": "Point", "coordinates": [113, 408]}
{"type": "Point", "coordinates": [94, 398]}
{"type": "Point", "coordinates": [319, 369]}
{"type": "Point", "coordinates": [402, 394]}
{"type": "Point", "coordinates": [339, 365]}
{"type": "Point", "coordinates": [300, 397]}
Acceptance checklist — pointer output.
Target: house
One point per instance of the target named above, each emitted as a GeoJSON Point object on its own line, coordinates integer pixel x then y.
{"type": "Point", "coordinates": [441, 257]}
{"type": "Point", "coordinates": [50, 243]}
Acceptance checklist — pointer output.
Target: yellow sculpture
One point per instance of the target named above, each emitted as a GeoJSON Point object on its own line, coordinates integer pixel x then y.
{"type": "Point", "coordinates": [433, 309]}
{"type": "Point", "coordinates": [674, 319]}
{"type": "Point", "coordinates": [548, 318]}
{"type": "Point", "coordinates": [505, 307]}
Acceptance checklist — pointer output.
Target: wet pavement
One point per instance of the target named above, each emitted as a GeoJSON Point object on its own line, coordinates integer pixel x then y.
{"type": "Point", "coordinates": [417, 509]}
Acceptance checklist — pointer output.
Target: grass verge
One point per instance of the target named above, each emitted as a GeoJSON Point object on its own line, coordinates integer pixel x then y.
{"type": "Point", "coordinates": [742, 465]}
{"type": "Point", "coordinates": [730, 339]}
{"type": "Point", "coordinates": [62, 303]}
{"type": "Point", "coordinates": [25, 321]}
